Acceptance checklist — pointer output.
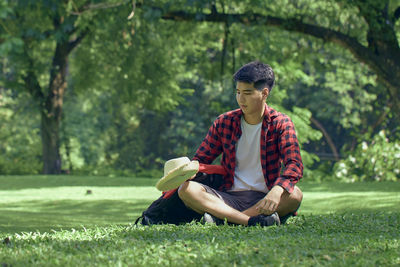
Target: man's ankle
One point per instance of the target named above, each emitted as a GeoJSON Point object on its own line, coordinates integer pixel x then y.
{"type": "Point", "coordinates": [264, 220]}
{"type": "Point", "coordinates": [209, 218]}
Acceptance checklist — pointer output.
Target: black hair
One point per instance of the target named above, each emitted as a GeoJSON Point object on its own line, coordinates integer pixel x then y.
{"type": "Point", "coordinates": [257, 73]}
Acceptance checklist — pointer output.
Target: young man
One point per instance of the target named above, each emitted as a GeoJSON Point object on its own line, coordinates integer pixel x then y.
{"type": "Point", "coordinates": [254, 140]}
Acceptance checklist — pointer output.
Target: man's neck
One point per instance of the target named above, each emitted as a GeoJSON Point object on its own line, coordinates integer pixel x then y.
{"type": "Point", "coordinates": [254, 118]}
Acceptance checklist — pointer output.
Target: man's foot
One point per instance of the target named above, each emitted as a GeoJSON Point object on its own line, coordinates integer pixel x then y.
{"type": "Point", "coordinates": [264, 220]}
{"type": "Point", "coordinates": [208, 218]}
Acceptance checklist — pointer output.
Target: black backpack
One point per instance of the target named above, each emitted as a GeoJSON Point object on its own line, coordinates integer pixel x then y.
{"type": "Point", "coordinates": [169, 208]}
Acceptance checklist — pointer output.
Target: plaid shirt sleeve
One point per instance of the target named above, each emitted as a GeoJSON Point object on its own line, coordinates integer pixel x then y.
{"type": "Point", "coordinates": [289, 151]}
{"type": "Point", "coordinates": [211, 147]}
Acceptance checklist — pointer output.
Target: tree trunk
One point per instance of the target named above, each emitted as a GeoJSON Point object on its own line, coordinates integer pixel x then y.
{"type": "Point", "coordinates": [50, 144]}
{"type": "Point", "coordinates": [67, 35]}
{"type": "Point", "coordinates": [52, 111]}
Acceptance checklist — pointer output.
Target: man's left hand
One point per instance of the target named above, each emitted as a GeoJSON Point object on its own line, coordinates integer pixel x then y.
{"type": "Point", "coordinates": [269, 204]}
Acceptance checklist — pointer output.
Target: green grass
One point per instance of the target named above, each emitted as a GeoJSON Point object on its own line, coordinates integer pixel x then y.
{"type": "Point", "coordinates": [44, 203]}
{"type": "Point", "coordinates": [51, 220]}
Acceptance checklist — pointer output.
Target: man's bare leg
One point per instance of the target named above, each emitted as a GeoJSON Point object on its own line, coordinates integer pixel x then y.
{"type": "Point", "coordinates": [289, 203]}
{"type": "Point", "coordinates": [195, 196]}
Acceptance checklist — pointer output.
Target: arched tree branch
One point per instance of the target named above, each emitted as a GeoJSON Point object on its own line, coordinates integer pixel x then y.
{"type": "Point", "coordinates": [290, 24]}
{"type": "Point", "coordinates": [386, 68]}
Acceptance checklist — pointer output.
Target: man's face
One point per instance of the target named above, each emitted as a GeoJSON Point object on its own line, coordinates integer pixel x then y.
{"type": "Point", "coordinates": [251, 101]}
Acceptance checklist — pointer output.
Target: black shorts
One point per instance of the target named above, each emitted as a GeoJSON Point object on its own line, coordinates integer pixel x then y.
{"type": "Point", "coordinates": [242, 200]}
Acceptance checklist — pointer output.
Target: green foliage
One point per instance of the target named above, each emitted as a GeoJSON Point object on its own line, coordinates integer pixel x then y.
{"type": "Point", "coordinates": [28, 49]}
{"type": "Point", "coordinates": [20, 150]}
{"type": "Point", "coordinates": [134, 125]}
{"type": "Point", "coordinates": [138, 66]}
{"type": "Point", "coordinates": [332, 85]}
{"type": "Point", "coordinates": [84, 132]}
{"type": "Point", "coordinates": [306, 134]}
{"type": "Point", "coordinates": [116, 139]}
{"type": "Point", "coordinates": [376, 160]}
{"type": "Point", "coordinates": [144, 90]}
{"type": "Point", "coordinates": [342, 96]}
{"type": "Point", "coordinates": [7, 41]}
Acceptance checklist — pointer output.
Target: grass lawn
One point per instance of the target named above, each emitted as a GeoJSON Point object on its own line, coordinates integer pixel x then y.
{"type": "Point", "coordinates": [86, 221]}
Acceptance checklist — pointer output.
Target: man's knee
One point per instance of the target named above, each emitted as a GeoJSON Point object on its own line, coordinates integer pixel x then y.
{"type": "Point", "coordinates": [297, 195]}
{"type": "Point", "coordinates": [188, 189]}
{"type": "Point", "coordinates": [293, 200]}
{"type": "Point", "coordinates": [290, 202]}
{"type": "Point", "coordinates": [183, 189]}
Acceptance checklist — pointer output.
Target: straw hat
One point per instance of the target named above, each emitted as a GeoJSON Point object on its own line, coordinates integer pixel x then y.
{"type": "Point", "coordinates": [177, 171]}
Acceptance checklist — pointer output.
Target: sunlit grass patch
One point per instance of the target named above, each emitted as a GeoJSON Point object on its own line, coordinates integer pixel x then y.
{"type": "Point", "coordinates": [44, 203]}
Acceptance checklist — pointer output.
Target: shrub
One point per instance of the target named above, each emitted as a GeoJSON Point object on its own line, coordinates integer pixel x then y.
{"type": "Point", "coordinates": [378, 160]}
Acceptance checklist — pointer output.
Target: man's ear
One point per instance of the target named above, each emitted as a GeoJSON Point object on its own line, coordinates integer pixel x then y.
{"type": "Point", "coordinates": [265, 92]}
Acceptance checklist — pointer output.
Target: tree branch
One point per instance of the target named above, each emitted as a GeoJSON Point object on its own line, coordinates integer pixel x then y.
{"type": "Point", "coordinates": [386, 68]}
{"type": "Point", "coordinates": [90, 7]}
{"type": "Point", "coordinates": [327, 137]}
{"type": "Point", "coordinates": [72, 44]}
{"type": "Point", "coordinates": [31, 81]}
{"type": "Point", "coordinates": [397, 14]}
{"type": "Point", "coordinates": [382, 117]}
{"type": "Point", "coordinates": [361, 52]}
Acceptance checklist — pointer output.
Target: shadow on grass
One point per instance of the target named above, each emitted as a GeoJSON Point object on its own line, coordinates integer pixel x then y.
{"type": "Point", "coordinates": [340, 187]}
{"type": "Point", "coordinates": [44, 216]}
{"type": "Point", "coordinates": [350, 202]}
{"type": "Point", "coordinates": [42, 181]}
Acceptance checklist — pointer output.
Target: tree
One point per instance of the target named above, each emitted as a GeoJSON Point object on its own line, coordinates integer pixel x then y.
{"type": "Point", "coordinates": [46, 34]}
{"type": "Point", "coordinates": [127, 72]}
{"type": "Point", "coordinates": [39, 65]}
{"type": "Point", "coordinates": [367, 28]}
{"type": "Point", "coordinates": [135, 136]}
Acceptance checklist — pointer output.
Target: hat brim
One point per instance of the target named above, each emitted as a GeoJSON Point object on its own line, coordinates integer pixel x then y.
{"type": "Point", "coordinates": [177, 176]}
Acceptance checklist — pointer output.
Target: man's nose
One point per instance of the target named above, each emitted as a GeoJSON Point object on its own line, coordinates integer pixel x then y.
{"type": "Point", "coordinates": [240, 98]}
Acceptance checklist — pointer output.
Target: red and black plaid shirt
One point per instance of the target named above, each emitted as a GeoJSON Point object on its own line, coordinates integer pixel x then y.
{"type": "Point", "coordinates": [278, 144]}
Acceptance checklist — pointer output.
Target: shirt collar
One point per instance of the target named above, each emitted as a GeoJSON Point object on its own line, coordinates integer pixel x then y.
{"type": "Point", "coordinates": [269, 114]}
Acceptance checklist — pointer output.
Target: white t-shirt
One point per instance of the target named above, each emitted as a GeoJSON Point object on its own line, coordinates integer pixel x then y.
{"type": "Point", "coordinates": [248, 170]}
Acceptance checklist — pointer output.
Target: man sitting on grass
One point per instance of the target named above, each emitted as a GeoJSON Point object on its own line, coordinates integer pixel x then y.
{"type": "Point", "coordinates": [254, 140]}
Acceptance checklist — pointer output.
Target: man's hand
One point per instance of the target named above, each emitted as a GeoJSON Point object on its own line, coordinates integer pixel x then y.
{"type": "Point", "coordinates": [270, 202]}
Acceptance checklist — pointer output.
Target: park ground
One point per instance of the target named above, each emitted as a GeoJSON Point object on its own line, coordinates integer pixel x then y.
{"type": "Point", "coordinates": [88, 221]}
